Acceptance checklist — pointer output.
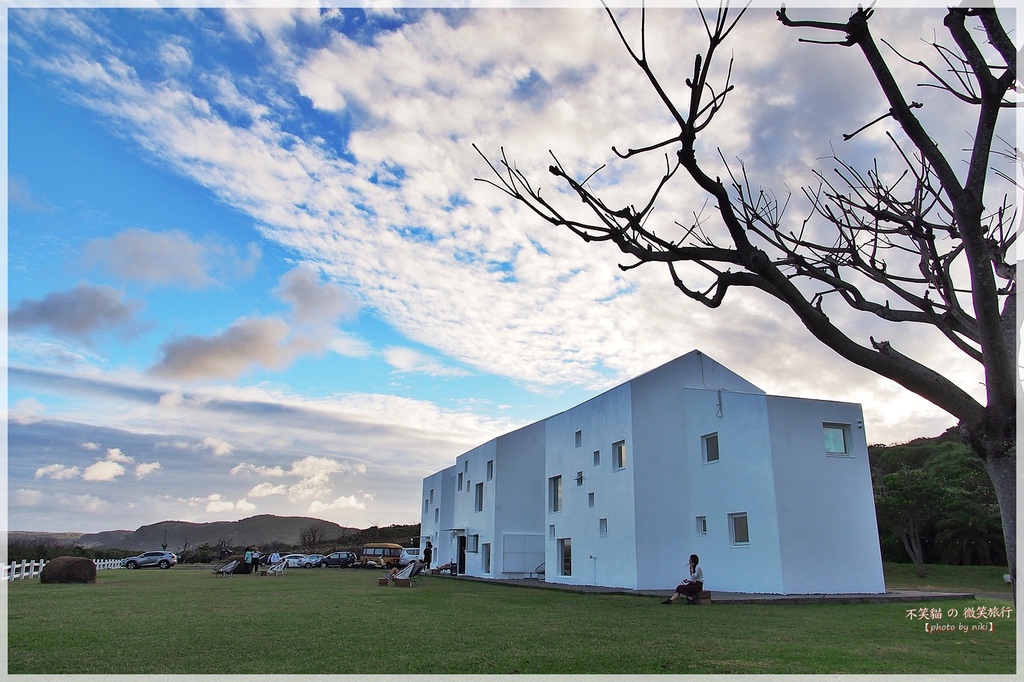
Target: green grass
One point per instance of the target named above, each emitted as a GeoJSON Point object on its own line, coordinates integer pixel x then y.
{"type": "Point", "coordinates": [941, 578]}
{"type": "Point", "coordinates": [186, 621]}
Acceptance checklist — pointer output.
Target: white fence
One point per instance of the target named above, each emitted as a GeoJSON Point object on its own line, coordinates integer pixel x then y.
{"type": "Point", "coordinates": [25, 569]}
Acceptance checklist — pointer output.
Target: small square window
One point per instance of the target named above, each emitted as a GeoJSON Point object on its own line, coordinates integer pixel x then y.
{"type": "Point", "coordinates": [702, 525]}
{"type": "Point", "coordinates": [709, 447]}
{"type": "Point", "coordinates": [619, 454]}
{"type": "Point", "coordinates": [597, 458]}
{"type": "Point", "coordinates": [837, 439]}
{"type": "Point", "coordinates": [590, 500]}
{"type": "Point", "coordinates": [738, 530]}
{"type": "Point", "coordinates": [473, 543]}
{"type": "Point", "coordinates": [579, 438]}
{"type": "Point", "coordinates": [602, 527]}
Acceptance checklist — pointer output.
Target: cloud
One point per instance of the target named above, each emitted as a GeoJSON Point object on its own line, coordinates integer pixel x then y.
{"type": "Point", "coordinates": [143, 470]}
{"type": "Point", "coordinates": [314, 304]}
{"type": "Point", "coordinates": [90, 446]}
{"type": "Point", "coordinates": [410, 360]}
{"type": "Point", "coordinates": [275, 471]}
{"type": "Point", "coordinates": [247, 342]}
{"type": "Point", "coordinates": [26, 497]}
{"type": "Point", "coordinates": [219, 448]}
{"type": "Point", "coordinates": [167, 258]}
{"type": "Point", "coordinates": [57, 471]}
{"type": "Point", "coordinates": [26, 411]}
{"type": "Point", "coordinates": [266, 490]}
{"type": "Point", "coordinates": [103, 471]}
{"type": "Point", "coordinates": [348, 502]}
{"type": "Point", "coordinates": [115, 455]}
{"type": "Point", "coordinates": [80, 313]}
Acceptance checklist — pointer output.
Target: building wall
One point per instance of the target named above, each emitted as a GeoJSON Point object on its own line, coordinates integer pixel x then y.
{"type": "Point", "coordinates": [608, 559]}
{"type": "Point", "coordinates": [826, 510]}
{"type": "Point", "coordinates": [476, 525]}
{"type": "Point", "coordinates": [438, 515]}
{"type": "Point", "coordinates": [517, 495]}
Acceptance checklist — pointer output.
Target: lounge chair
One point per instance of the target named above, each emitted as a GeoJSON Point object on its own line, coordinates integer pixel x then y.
{"type": "Point", "coordinates": [277, 569]}
{"type": "Point", "coordinates": [227, 569]}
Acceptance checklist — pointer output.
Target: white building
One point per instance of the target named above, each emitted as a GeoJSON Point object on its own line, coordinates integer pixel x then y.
{"type": "Point", "coordinates": [774, 494]}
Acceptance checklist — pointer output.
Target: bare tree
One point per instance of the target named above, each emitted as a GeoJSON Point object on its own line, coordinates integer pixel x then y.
{"type": "Point", "coordinates": [312, 535]}
{"type": "Point", "coordinates": [923, 249]}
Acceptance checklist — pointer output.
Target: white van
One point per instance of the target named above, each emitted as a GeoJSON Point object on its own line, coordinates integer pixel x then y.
{"type": "Point", "coordinates": [409, 555]}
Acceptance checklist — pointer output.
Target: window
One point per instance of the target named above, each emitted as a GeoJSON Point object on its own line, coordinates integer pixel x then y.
{"type": "Point", "coordinates": [473, 543]}
{"type": "Point", "coordinates": [702, 525]}
{"type": "Point", "coordinates": [597, 458]}
{"type": "Point", "coordinates": [738, 531]}
{"type": "Point", "coordinates": [437, 515]}
{"type": "Point", "coordinates": [487, 557]}
{"type": "Point", "coordinates": [555, 493]}
{"type": "Point", "coordinates": [619, 454]}
{"type": "Point", "coordinates": [579, 478]}
{"type": "Point", "coordinates": [426, 506]}
{"type": "Point", "coordinates": [460, 481]}
{"type": "Point", "coordinates": [590, 500]}
{"type": "Point", "coordinates": [837, 439]}
{"type": "Point", "coordinates": [709, 447]}
{"type": "Point", "coordinates": [602, 527]}
{"type": "Point", "coordinates": [565, 556]}
{"type": "Point", "coordinates": [490, 469]}
{"type": "Point", "coordinates": [431, 496]}
{"type": "Point", "coordinates": [479, 496]}
{"type": "Point", "coordinates": [579, 438]}
{"type": "Point", "coordinates": [551, 531]}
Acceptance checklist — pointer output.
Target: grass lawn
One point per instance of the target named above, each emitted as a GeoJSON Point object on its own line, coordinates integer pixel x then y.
{"type": "Point", "coordinates": [331, 621]}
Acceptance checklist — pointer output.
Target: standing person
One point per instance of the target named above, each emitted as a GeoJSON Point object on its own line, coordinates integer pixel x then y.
{"type": "Point", "coordinates": [275, 558]}
{"type": "Point", "coordinates": [247, 559]}
{"type": "Point", "coordinates": [691, 586]}
{"type": "Point", "coordinates": [428, 554]}
{"type": "Point", "coordinates": [255, 560]}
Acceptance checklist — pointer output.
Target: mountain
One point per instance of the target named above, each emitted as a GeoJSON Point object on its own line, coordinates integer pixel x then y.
{"type": "Point", "coordinates": [263, 530]}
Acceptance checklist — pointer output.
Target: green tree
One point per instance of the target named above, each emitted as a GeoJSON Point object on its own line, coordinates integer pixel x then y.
{"type": "Point", "coordinates": [909, 502]}
{"type": "Point", "coordinates": [970, 535]}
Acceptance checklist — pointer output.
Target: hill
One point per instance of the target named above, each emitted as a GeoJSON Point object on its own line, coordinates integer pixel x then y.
{"type": "Point", "coordinates": [262, 530]}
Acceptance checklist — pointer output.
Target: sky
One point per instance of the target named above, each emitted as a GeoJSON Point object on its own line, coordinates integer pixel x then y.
{"type": "Point", "coordinates": [252, 268]}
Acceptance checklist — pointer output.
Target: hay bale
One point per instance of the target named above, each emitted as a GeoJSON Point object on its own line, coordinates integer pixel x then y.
{"type": "Point", "coordinates": [69, 569]}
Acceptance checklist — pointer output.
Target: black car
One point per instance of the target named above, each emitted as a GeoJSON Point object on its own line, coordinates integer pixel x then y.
{"type": "Point", "coordinates": [338, 559]}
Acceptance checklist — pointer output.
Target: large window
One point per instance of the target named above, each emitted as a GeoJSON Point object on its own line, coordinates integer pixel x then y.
{"type": "Point", "coordinates": [739, 534]}
{"type": "Point", "coordinates": [565, 556]}
{"type": "Point", "coordinates": [473, 543]}
{"type": "Point", "coordinates": [619, 454]}
{"type": "Point", "coordinates": [479, 496]}
{"type": "Point", "coordinates": [709, 447]}
{"type": "Point", "coordinates": [837, 439]}
{"type": "Point", "coordinates": [579, 438]}
{"type": "Point", "coordinates": [555, 493]}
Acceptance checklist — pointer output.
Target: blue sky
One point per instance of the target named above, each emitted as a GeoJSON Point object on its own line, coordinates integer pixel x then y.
{"type": "Point", "coordinates": [250, 271]}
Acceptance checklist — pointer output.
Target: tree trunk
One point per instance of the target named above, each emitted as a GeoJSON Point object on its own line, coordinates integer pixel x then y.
{"type": "Point", "coordinates": [912, 543]}
{"type": "Point", "coordinates": [1003, 472]}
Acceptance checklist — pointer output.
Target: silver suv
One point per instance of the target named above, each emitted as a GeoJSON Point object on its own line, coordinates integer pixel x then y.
{"type": "Point", "coordinates": [161, 559]}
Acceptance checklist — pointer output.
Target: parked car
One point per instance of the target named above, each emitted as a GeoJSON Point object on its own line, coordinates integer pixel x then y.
{"type": "Point", "coordinates": [293, 560]}
{"type": "Point", "coordinates": [339, 559]}
{"type": "Point", "coordinates": [160, 559]}
{"type": "Point", "coordinates": [311, 561]}
{"type": "Point", "coordinates": [409, 555]}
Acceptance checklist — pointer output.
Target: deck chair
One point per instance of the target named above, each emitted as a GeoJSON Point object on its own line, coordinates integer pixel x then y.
{"type": "Point", "coordinates": [227, 569]}
{"type": "Point", "coordinates": [404, 577]}
{"type": "Point", "coordinates": [539, 571]}
{"type": "Point", "coordinates": [276, 569]}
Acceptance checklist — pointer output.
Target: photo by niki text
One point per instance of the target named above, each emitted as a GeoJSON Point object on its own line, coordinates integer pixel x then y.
{"type": "Point", "coordinates": [972, 619]}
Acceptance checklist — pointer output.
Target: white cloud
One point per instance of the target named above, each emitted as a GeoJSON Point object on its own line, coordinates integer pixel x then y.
{"type": "Point", "coordinates": [57, 471]}
{"type": "Point", "coordinates": [27, 411]}
{"type": "Point", "coordinates": [103, 471]}
{"type": "Point", "coordinates": [115, 455]}
{"type": "Point", "coordinates": [26, 497]}
{"type": "Point", "coordinates": [143, 470]}
{"type": "Point", "coordinates": [91, 446]}
{"type": "Point", "coordinates": [217, 446]}
{"type": "Point", "coordinates": [266, 490]}
{"type": "Point", "coordinates": [347, 502]}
